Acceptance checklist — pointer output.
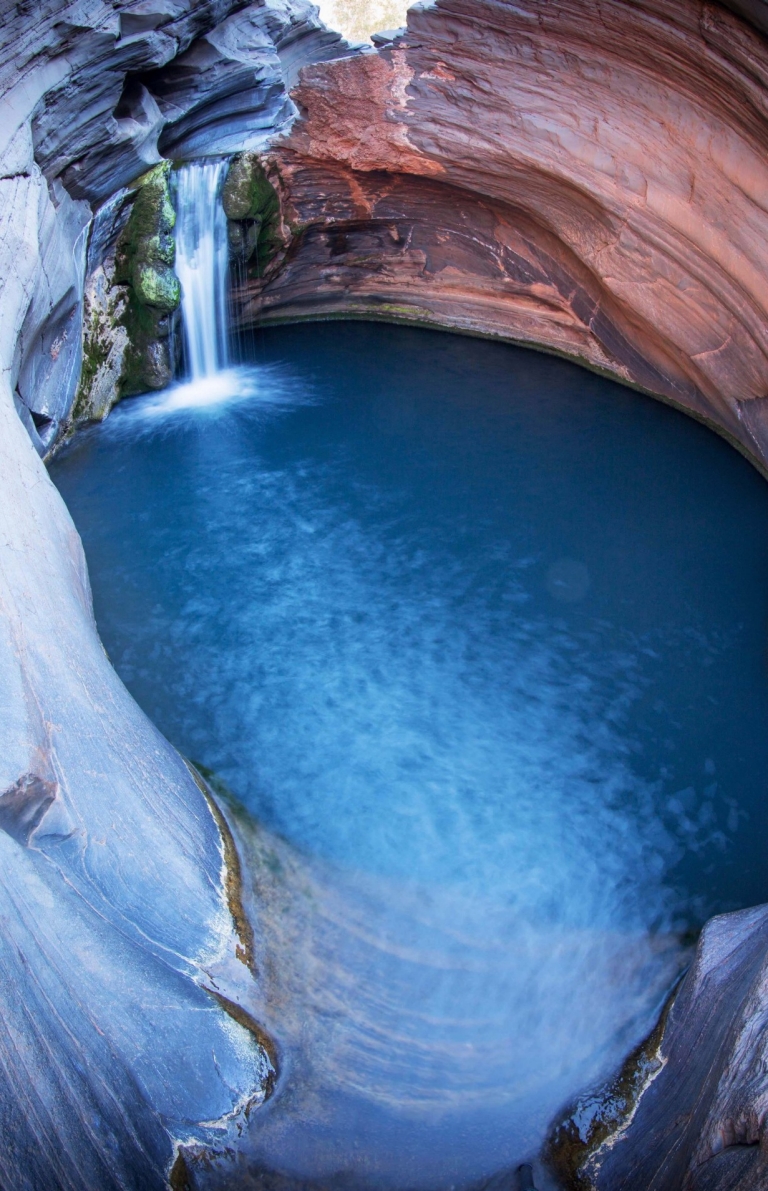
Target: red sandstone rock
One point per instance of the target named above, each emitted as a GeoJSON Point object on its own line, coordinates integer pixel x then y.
{"type": "Point", "coordinates": [590, 176]}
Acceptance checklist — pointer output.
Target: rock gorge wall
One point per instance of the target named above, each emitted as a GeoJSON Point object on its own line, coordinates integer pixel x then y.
{"type": "Point", "coordinates": [591, 177]}
{"type": "Point", "coordinates": [584, 175]}
{"type": "Point", "coordinates": [127, 972]}
{"type": "Point", "coordinates": [588, 176]}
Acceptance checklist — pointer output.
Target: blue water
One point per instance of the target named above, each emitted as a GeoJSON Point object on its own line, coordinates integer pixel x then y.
{"type": "Point", "coordinates": [480, 639]}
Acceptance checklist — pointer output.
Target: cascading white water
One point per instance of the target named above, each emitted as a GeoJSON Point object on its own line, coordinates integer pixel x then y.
{"type": "Point", "coordinates": [202, 260]}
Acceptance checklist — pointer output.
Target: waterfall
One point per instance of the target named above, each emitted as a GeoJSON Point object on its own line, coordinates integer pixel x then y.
{"type": "Point", "coordinates": [202, 262]}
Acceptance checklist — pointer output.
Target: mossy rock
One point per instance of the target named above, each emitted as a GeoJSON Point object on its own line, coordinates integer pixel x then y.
{"type": "Point", "coordinates": [149, 360]}
{"type": "Point", "coordinates": [105, 342]}
{"type": "Point", "coordinates": [252, 206]}
{"type": "Point", "coordinates": [247, 192]}
{"type": "Point", "coordinates": [153, 212]}
{"type": "Point", "coordinates": [144, 262]}
{"type": "Point", "coordinates": [158, 288]}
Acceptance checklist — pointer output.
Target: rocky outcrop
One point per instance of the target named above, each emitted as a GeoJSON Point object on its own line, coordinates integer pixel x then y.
{"type": "Point", "coordinates": [144, 264]}
{"type": "Point", "coordinates": [690, 1109]}
{"type": "Point", "coordinates": [253, 213]}
{"type": "Point", "coordinates": [582, 175]}
{"type": "Point", "coordinates": [131, 299]}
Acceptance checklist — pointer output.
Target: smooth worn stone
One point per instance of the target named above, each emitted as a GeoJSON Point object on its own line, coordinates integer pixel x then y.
{"type": "Point", "coordinates": [228, 92]}
{"type": "Point", "coordinates": [105, 337]}
{"type": "Point", "coordinates": [127, 989]}
{"type": "Point", "coordinates": [691, 1112]}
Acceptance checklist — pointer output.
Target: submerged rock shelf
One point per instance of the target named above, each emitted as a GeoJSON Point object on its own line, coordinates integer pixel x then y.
{"type": "Point", "coordinates": [588, 177]}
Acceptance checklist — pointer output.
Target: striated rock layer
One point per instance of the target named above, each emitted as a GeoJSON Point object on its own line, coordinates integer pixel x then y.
{"type": "Point", "coordinates": [585, 175]}
{"type": "Point", "coordinates": [689, 1109]}
{"type": "Point", "coordinates": [126, 959]}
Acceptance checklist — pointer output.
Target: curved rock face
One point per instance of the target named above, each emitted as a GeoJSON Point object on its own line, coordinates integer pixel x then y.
{"type": "Point", "coordinates": [688, 1111]}
{"type": "Point", "coordinates": [584, 175]}
{"type": "Point", "coordinates": [589, 176]}
{"type": "Point", "coordinates": [127, 969]}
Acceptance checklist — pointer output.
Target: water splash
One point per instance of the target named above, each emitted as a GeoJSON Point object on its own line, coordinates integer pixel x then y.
{"type": "Point", "coordinates": [202, 264]}
{"type": "Point", "coordinates": [262, 392]}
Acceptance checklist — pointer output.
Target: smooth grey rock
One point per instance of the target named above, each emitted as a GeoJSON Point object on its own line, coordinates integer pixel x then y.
{"type": "Point", "coordinates": [100, 82]}
{"type": "Point", "coordinates": [115, 914]}
{"type": "Point", "coordinates": [739, 1168]}
{"type": "Point", "coordinates": [49, 346]}
{"type": "Point", "coordinates": [699, 1121]}
{"type": "Point", "coordinates": [229, 91]}
{"type": "Point", "coordinates": [105, 338]}
{"type": "Point", "coordinates": [127, 985]}
{"type": "Point", "coordinates": [387, 36]}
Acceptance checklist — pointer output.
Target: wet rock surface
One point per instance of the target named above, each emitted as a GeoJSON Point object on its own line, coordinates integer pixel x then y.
{"type": "Point", "coordinates": [253, 211]}
{"type": "Point", "coordinates": [126, 986]}
{"type": "Point", "coordinates": [144, 264]}
{"type": "Point", "coordinates": [695, 1116]}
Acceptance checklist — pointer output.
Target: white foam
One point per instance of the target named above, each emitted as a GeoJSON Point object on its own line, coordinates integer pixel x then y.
{"type": "Point", "coordinates": [205, 392]}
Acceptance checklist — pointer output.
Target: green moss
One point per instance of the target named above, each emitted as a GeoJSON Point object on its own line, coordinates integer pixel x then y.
{"type": "Point", "coordinates": [158, 288]}
{"type": "Point", "coordinates": [144, 262]}
{"type": "Point", "coordinates": [252, 206]}
{"type": "Point", "coordinates": [94, 357]}
{"type": "Point", "coordinates": [247, 192]}
{"type": "Point", "coordinates": [153, 212]}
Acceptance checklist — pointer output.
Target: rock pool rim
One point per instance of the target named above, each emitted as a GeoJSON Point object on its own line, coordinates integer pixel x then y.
{"type": "Point", "coordinates": [425, 322]}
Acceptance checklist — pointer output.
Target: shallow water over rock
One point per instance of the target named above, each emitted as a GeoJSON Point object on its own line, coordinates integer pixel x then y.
{"type": "Point", "coordinates": [478, 639]}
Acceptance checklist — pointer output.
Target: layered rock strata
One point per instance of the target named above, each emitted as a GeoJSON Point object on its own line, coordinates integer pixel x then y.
{"type": "Point", "coordinates": [584, 175]}
{"type": "Point", "coordinates": [127, 969]}
{"type": "Point", "coordinates": [689, 1110]}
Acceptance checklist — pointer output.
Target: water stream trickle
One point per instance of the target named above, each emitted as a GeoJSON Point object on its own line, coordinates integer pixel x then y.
{"type": "Point", "coordinates": [202, 263]}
